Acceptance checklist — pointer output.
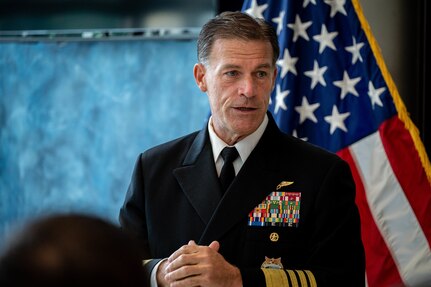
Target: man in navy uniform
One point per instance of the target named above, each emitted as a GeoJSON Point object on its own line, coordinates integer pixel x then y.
{"type": "Point", "coordinates": [239, 203]}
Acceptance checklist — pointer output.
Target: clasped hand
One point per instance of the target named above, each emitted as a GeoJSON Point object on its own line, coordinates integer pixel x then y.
{"type": "Point", "coordinates": [196, 265]}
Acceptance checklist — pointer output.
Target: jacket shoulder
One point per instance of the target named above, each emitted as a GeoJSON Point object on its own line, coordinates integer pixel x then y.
{"type": "Point", "coordinates": [171, 148]}
{"type": "Point", "coordinates": [306, 149]}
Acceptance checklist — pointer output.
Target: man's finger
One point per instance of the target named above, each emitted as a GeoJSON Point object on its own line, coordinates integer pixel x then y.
{"type": "Point", "coordinates": [182, 273]}
{"type": "Point", "coordinates": [215, 245]}
{"type": "Point", "coordinates": [185, 249]}
{"type": "Point", "coordinates": [181, 261]}
{"type": "Point", "coordinates": [192, 243]}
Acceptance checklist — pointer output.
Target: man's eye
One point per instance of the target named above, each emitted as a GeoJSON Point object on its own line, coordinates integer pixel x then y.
{"type": "Point", "coordinates": [232, 73]}
{"type": "Point", "coordinates": [261, 74]}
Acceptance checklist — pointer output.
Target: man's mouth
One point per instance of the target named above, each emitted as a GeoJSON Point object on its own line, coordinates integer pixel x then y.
{"type": "Point", "coordinates": [245, 109]}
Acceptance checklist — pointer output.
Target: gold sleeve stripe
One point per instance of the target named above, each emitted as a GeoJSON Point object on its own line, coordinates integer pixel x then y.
{"type": "Point", "coordinates": [293, 278]}
{"type": "Point", "coordinates": [302, 278]}
{"type": "Point", "coordinates": [311, 278]}
{"type": "Point", "coordinates": [275, 278]}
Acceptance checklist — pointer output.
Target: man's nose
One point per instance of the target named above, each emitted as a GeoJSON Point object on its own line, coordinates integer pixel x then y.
{"type": "Point", "coordinates": [247, 87]}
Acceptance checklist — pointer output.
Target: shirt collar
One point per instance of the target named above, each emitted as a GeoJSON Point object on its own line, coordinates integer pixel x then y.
{"type": "Point", "coordinates": [244, 146]}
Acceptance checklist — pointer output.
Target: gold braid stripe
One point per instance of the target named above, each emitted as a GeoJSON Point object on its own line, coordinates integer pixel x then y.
{"type": "Point", "coordinates": [275, 277]}
{"type": "Point", "coordinates": [293, 278]}
{"type": "Point", "coordinates": [311, 278]}
{"type": "Point", "coordinates": [302, 278]}
{"type": "Point", "coordinates": [278, 278]}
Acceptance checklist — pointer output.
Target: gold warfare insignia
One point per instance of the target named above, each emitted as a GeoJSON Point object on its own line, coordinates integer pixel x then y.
{"type": "Point", "coordinates": [283, 184]}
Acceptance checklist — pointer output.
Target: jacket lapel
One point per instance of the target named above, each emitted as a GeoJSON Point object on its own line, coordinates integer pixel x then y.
{"type": "Point", "coordinates": [198, 177]}
{"type": "Point", "coordinates": [258, 177]}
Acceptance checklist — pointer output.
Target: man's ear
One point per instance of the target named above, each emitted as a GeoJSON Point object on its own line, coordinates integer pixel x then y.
{"type": "Point", "coordinates": [274, 77]}
{"type": "Point", "coordinates": [199, 73]}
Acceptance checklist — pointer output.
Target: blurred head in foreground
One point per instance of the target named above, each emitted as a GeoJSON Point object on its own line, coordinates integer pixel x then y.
{"type": "Point", "coordinates": [71, 250]}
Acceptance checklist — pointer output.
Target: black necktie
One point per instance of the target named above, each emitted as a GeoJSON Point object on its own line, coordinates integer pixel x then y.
{"type": "Point", "coordinates": [229, 154]}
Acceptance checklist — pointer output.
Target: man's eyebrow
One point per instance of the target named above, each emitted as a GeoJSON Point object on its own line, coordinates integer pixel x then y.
{"type": "Point", "coordinates": [264, 66]}
{"type": "Point", "coordinates": [232, 66]}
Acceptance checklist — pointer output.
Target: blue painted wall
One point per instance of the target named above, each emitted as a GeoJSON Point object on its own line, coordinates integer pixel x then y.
{"type": "Point", "coordinates": [75, 115]}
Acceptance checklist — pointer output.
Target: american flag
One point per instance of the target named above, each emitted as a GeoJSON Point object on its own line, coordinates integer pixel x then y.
{"type": "Point", "coordinates": [334, 90]}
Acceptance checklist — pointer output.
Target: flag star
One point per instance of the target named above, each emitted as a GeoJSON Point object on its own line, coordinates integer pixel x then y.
{"type": "Point", "coordinates": [355, 50]}
{"type": "Point", "coordinates": [279, 22]}
{"type": "Point", "coordinates": [306, 2]}
{"type": "Point", "coordinates": [347, 85]}
{"type": "Point", "coordinates": [306, 111]}
{"type": "Point", "coordinates": [375, 94]}
{"type": "Point", "coordinates": [279, 99]}
{"type": "Point", "coordinates": [256, 10]}
{"type": "Point", "coordinates": [299, 28]}
{"type": "Point", "coordinates": [287, 64]}
{"type": "Point", "coordinates": [336, 120]}
{"type": "Point", "coordinates": [316, 75]}
{"type": "Point", "coordinates": [336, 6]}
{"type": "Point", "coordinates": [325, 39]}
{"type": "Point", "coordinates": [295, 134]}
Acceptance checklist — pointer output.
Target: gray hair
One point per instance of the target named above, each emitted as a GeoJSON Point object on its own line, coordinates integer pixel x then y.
{"type": "Point", "coordinates": [235, 25]}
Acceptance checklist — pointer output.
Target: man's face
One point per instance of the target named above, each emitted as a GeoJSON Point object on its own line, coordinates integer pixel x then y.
{"type": "Point", "coordinates": [238, 80]}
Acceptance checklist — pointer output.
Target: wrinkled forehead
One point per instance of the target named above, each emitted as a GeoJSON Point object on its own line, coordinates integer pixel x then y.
{"type": "Point", "coordinates": [237, 49]}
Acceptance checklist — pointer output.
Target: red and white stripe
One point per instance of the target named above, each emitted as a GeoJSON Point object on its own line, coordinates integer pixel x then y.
{"type": "Point", "coordinates": [394, 200]}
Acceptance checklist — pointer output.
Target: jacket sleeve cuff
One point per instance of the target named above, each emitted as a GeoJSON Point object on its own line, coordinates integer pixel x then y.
{"type": "Point", "coordinates": [149, 268]}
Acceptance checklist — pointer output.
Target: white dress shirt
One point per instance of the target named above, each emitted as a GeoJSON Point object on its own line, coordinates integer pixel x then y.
{"type": "Point", "coordinates": [244, 146]}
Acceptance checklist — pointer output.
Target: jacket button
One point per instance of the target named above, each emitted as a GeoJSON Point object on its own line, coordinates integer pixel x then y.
{"type": "Point", "coordinates": [274, 237]}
